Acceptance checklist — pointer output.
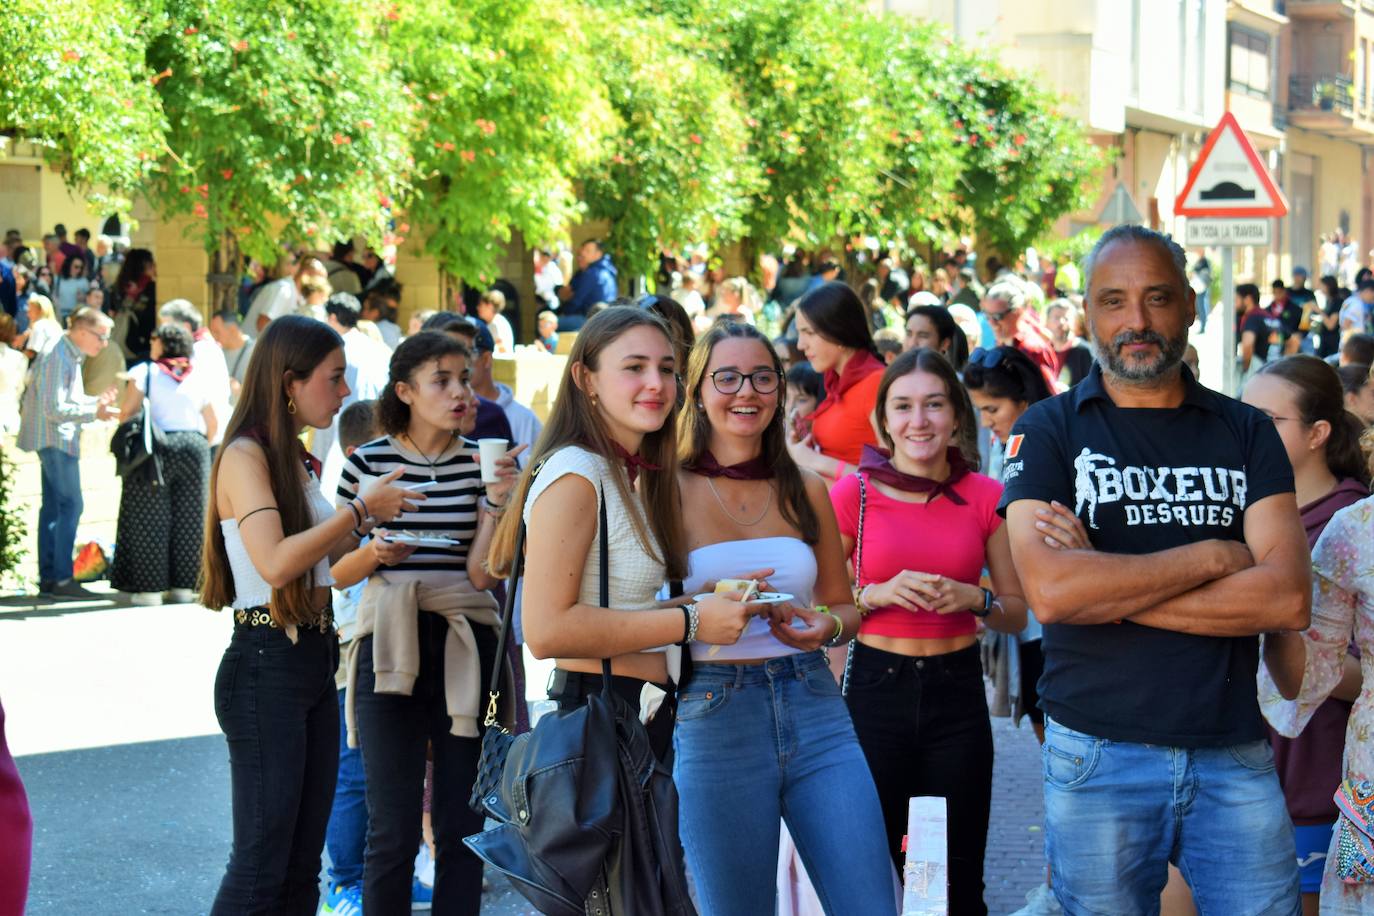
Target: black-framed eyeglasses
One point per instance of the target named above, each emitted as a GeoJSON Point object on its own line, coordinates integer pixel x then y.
{"type": "Point", "coordinates": [987, 357]}
{"type": "Point", "coordinates": [730, 381]}
{"type": "Point", "coordinates": [997, 316]}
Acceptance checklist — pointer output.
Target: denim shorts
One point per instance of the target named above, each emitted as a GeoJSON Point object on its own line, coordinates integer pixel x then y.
{"type": "Point", "coordinates": [1116, 813]}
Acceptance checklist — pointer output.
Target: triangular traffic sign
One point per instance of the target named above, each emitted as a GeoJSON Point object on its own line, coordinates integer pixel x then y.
{"type": "Point", "coordinates": [1120, 209]}
{"type": "Point", "coordinates": [1228, 179]}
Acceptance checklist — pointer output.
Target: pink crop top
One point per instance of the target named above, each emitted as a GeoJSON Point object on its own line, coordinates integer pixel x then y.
{"type": "Point", "coordinates": [934, 537]}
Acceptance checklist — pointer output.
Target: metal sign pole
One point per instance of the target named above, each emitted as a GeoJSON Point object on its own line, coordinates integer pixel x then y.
{"type": "Point", "coordinates": [1230, 384]}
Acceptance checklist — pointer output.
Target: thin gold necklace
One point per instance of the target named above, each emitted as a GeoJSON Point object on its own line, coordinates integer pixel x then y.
{"type": "Point", "coordinates": [768, 504]}
{"type": "Point", "coordinates": [433, 471]}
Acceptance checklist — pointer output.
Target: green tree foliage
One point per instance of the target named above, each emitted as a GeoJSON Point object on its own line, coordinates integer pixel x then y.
{"type": "Point", "coordinates": [508, 108]}
{"type": "Point", "coordinates": [282, 117]}
{"type": "Point", "coordinates": [817, 127]}
{"type": "Point", "coordinates": [679, 169]}
{"type": "Point", "coordinates": [1024, 163]}
{"type": "Point", "coordinates": [72, 81]}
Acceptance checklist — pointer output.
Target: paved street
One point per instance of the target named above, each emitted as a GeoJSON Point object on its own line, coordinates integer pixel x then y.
{"type": "Point", "coordinates": [109, 712]}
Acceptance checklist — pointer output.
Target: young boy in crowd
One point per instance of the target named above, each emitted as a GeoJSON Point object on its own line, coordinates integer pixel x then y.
{"type": "Point", "coordinates": [548, 331]}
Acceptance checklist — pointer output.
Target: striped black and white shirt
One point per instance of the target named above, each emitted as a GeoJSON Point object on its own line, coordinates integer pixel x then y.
{"type": "Point", "coordinates": [450, 505]}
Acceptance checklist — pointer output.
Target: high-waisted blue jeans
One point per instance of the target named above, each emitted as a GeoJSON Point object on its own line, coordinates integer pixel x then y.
{"type": "Point", "coordinates": [759, 744]}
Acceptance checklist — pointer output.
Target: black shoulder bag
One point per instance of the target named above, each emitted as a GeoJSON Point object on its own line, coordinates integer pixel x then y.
{"type": "Point", "coordinates": [587, 815]}
{"type": "Point", "coordinates": [137, 441]}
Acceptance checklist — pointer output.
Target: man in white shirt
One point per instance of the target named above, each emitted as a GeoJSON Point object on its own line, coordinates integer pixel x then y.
{"type": "Point", "coordinates": [379, 307]}
{"type": "Point", "coordinates": [489, 309]}
{"type": "Point", "coordinates": [547, 278]}
{"type": "Point", "coordinates": [206, 357]}
{"type": "Point", "coordinates": [367, 369]}
{"type": "Point", "coordinates": [283, 296]}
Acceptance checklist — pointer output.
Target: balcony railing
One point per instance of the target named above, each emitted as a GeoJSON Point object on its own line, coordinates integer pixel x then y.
{"type": "Point", "coordinates": [1321, 92]}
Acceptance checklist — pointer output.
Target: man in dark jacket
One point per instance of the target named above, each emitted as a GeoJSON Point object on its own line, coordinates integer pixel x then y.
{"type": "Point", "coordinates": [595, 281]}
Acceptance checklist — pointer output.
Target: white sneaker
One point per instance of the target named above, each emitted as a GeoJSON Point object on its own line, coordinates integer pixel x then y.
{"type": "Point", "coordinates": [1040, 902]}
{"type": "Point", "coordinates": [182, 596]}
{"type": "Point", "coordinates": [424, 865]}
{"type": "Point", "coordinates": [146, 599]}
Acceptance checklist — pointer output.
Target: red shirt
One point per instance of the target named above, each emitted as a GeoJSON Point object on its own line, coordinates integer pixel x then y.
{"type": "Point", "coordinates": [843, 429]}
{"type": "Point", "coordinates": [934, 537]}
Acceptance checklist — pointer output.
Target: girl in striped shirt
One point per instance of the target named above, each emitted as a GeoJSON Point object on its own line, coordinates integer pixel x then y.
{"type": "Point", "coordinates": [425, 635]}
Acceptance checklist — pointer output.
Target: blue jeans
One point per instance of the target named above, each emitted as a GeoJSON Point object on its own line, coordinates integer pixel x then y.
{"type": "Point", "coordinates": [1117, 813]}
{"type": "Point", "coordinates": [58, 514]}
{"type": "Point", "coordinates": [346, 837]}
{"type": "Point", "coordinates": [759, 744]}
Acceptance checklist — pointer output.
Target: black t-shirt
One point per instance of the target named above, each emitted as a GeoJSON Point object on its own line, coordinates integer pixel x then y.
{"type": "Point", "coordinates": [1329, 339]}
{"type": "Point", "coordinates": [1264, 324]}
{"type": "Point", "coordinates": [1144, 480]}
{"type": "Point", "coordinates": [1290, 317]}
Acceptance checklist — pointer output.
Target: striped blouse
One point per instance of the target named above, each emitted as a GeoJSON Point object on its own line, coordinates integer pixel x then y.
{"type": "Point", "coordinates": [450, 505]}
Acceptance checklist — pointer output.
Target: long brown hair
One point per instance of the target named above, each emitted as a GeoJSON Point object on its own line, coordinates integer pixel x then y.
{"type": "Point", "coordinates": [289, 350]}
{"type": "Point", "coordinates": [694, 428]}
{"type": "Point", "coordinates": [931, 362]}
{"type": "Point", "coordinates": [574, 420]}
{"type": "Point", "coordinates": [1319, 395]}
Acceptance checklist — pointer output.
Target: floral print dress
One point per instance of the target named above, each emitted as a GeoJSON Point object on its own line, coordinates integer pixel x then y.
{"type": "Point", "coordinates": [1342, 607]}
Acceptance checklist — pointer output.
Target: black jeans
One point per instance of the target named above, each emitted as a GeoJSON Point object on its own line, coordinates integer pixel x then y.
{"type": "Point", "coordinates": [923, 726]}
{"type": "Point", "coordinates": [278, 707]}
{"type": "Point", "coordinates": [393, 732]}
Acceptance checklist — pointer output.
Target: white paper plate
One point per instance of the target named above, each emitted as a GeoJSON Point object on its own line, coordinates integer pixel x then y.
{"type": "Point", "coordinates": [419, 541]}
{"type": "Point", "coordinates": [760, 598]}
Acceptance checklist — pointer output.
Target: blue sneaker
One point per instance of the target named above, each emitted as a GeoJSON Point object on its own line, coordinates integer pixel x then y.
{"type": "Point", "coordinates": [421, 895]}
{"type": "Point", "coordinates": [343, 900]}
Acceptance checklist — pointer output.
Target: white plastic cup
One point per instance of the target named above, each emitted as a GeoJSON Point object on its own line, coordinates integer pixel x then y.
{"type": "Point", "coordinates": [490, 451]}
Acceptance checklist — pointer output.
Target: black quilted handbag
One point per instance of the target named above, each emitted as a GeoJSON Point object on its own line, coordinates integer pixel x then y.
{"type": "Point", "coordinates": [496, 738]}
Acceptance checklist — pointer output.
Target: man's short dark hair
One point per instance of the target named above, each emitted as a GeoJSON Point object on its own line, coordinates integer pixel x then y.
{"type": "Point", "coordinates": [83, 233]}
{"type": "Point", "coordinates": [1132, 233]}
{"type": "Point", "coordinates": [1248, 291]}
{"type": "Point", "coordinates": [1278, 284]}
{"type": "Point", "coordinates": [342, 250]}
{"type": "Point", "coordinates": [60, 230]}
{"type": "Point", "coordinates": [1358, 349]}
{"type": "Point", "coordinates": [358, 424]}
{"type": "Point", "coordinates": [345, 308]}
{"type": "Point", "coordinates": [228, 316]}
{"type": "Point", "coordinates": [1364, 285]}
{"type": "Point", "coordinates": [450, 322]}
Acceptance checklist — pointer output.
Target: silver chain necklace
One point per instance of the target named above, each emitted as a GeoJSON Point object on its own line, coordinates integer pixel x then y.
{"type": "Point", "coordinates": [768, 504]}
{"type": "Point", "coordinates": [433, 470]}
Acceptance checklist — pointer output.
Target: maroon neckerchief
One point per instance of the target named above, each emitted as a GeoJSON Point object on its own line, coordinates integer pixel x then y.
{"type": "Point", "coordinates": [178, 367]}
{"type": "Point", "coordinates": [632, 462]}
{"type": "Point", "coordinates": [753, 469]}
{"type": "Point", "coordinates": [860, 366]}
{"type": "Point", "coordinates": [200, 334]}
{"type": "Point", "coordinates": [311, 463]}
{"type": "Point", "coordinates": [877, 464]}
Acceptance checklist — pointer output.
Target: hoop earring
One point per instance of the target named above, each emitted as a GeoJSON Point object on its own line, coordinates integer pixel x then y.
{"type": "Point", "coordinates": [290, 406]}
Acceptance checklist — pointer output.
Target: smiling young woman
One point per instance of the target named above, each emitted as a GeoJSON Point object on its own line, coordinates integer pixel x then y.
{"type": "Point", "coordinates": [919, 526]}
{"type": "Point", "coordinates": [756, 515]}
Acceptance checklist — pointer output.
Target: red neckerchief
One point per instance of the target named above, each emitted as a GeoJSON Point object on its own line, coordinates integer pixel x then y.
{"type": "Point", "coordinates": [632, 462]}
{"type": "Point", "coordinates": [200, 334]}
{"type": "Point", "coordinates": [753, 469]}
{"type": "Point", "coordinates": [178, 367]}
{"type": "Point", "coordinates": [877, 464]}
{"type": "Point", "coordinates": [860, 366]}
{"type": "Point", "coordinates": [311, 463]}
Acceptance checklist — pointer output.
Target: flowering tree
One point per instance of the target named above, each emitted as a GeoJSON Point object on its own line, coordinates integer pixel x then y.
{"type": "Point", "coordinates": [679, 168]}
{"type": "Point", "coordinates": [281, 122]}
{"type": "Point", "coordinates": [73, 82]}
{"type": "Point", "coordinates": [507, 108]}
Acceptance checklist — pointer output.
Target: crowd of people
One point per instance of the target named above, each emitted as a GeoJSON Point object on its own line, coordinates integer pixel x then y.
{"type": "Point", "coordinates": [939, 492]}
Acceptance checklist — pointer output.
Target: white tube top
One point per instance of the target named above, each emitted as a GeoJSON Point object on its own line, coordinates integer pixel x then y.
{"type": "Point", "coordinates": [250, 588]}
{"type": "Point", "coordinates": [794, 565]}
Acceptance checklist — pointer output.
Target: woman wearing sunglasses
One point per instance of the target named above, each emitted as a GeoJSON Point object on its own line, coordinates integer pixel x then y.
{"type": "Point", "coordinates": [1003, 382]}
{"type": "Point", "coordinates": [763, 735]}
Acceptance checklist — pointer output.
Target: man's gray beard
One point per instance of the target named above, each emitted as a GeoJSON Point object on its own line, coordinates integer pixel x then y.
{"type": "Point", "coordinates": [1110, 359]}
